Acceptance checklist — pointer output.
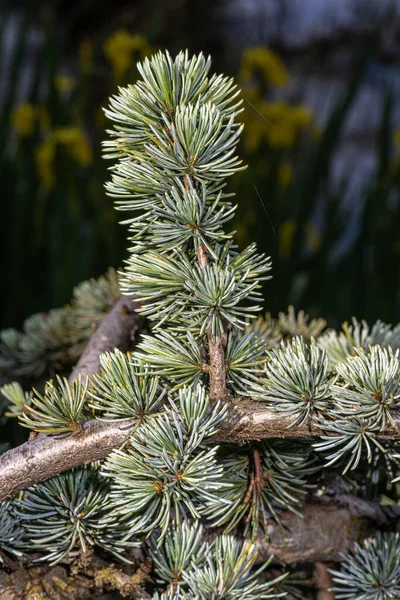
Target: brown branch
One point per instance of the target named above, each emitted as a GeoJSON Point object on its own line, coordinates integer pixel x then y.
{"type": "Point", "coordinates": [117, 330]}
{"type": "Point", "coordinates": [48, 455]}
{"type": "Point", "coordinates": [321, 534]}
{"type": "Point", "coordinates": [323, 581]}
{"type": "Point", "coordinates": [248, 420]}
{"type": "Point", "coordinates": [215, 348]}
{"type": "Point", "coordinates": [217, 368]}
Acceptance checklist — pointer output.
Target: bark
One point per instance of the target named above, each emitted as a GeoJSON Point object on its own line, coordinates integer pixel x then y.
{"type": "Point", "coordinates": [248, 420]}
{"type": "Point", "coordinates": [324, 531]}
{"type": "Point", "coordinates": [323, 581]}
{"type": "Point", "coordinates": [48, 455]}
{"type": "Point", "coordinates": [217, 367]}
{"type": "Point", "coordinates": [117, 330]}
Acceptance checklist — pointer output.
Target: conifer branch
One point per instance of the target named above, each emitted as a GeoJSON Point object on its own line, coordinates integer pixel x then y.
{"type": "Point", "coordinates": [217, 370]}
{"type": "Point", "coordinates": [47, 455]}
{"type": "Point", "coordinates": [117, 330]}
{"type": "Point", "coordinates": [323, 581]}
{"type": "Point", "coordinates": [202, 375]}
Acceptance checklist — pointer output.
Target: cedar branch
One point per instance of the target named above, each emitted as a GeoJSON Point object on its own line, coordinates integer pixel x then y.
{"type": "Point", "coordinates": [215, 348]}
{"type": "Point", "coordinates": [48, 455]}
{"type": "Point", "coordinates": [117, 330]}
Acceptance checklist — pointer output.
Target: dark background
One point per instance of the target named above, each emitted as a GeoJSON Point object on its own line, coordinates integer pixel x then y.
{"type": "Point", "coordinates": [320, 83]}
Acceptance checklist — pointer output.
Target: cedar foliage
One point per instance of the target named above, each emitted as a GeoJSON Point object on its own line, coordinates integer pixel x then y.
{"type": "Point", "coordinates": [198, 510]}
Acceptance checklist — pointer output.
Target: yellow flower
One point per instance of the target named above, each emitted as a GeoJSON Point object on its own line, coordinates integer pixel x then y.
{"type": "Point", "coordinates": [253, 135]}
{"type": "Point", "coordinates": [64, 84]}
{"type": "Point", "coordinates": [44, 157]}
{"type": "Point", "coordinates": [277, 122]}
{"type": "Point", "coordinates": [269, 64]}
{"type": "Point", "coordinates": [23, 119]}
{"type": "Point", "coordinates": [278, 125]}
{"type": "Point", "coordinates": [301, 116]}
{"type": "Point", "coordinates": [86, 55]}
{"type": "Point", "coordinates": [44, 118]}
{"type": "Point", "coordinates": [120, 49]}
{"type": "Point", "coordinates": [76, 141]}
{"type": "Point", "coordinates": [285, 175]}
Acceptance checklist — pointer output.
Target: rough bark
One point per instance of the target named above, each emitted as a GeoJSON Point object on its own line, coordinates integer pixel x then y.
{"type": "Point", "coordinates": [217, 367]}
{"type": "Point", "coordinates": [321, 534]}
{"type": "Point", "coordinates": [48, 455]}
{"type": "Point", "coordinates": [117, 330]}
{"type": "Point", "coordinates": [248, 420]}
{"type": "Point", "coordinates": [323, 581]}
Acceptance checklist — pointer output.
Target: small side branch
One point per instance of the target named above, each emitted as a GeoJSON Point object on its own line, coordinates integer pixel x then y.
{"type": "Point", "coordinates": [215, 348]}
{"type": "Point", "coordinates": [117, 330]}
{"type": "Point", "coordinates": [323, 581]}
{"type": "Point", "coordinates": [217, 368]}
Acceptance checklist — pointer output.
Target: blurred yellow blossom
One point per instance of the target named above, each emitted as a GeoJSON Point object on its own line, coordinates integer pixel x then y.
{"type": "Point", "coordinates": [44, 118]}
{"type": "Point", "coordinates": [44, 157]}
{"type": "Point", "coordinates": [74, 140]}
{"type": "Point", "coordinates": [23, 119]}
{"type": "Point", "coordinates": [265, 61]}
{"type": "Point", "coordinates": [277, 122]}
{"type": "Point", "coordinates": [77, 143]}
{"type": "Point", "coordinates": [86, 55]}
{"type": "Point", "coordinates": [120, 49]}
{"type": "Point", "coordinates": [300, 115]}
{"type": "Point", "coordinates": [64, 84]}
{"type": "Point", "coordinates": [285, 175]}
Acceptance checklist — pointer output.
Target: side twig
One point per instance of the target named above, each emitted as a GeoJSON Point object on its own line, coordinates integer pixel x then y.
{"type": "Point", "coordinates": [117, 330]}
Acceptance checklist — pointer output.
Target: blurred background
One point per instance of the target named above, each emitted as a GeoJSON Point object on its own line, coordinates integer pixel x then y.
{"type": "Point", "coordinates": [320, 80]}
